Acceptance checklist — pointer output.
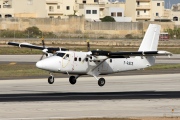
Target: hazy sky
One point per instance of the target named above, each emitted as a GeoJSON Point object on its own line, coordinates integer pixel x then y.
{"type": "Point", "coordinates": [167, 2]}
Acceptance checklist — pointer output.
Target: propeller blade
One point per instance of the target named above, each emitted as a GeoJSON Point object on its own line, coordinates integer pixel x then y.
{"type": "Point", "coordinates": [88, 45]}
{"type": "Point", "coordinates": [42, 57]}
{"type": "Point", "coordinates": [43, 42]}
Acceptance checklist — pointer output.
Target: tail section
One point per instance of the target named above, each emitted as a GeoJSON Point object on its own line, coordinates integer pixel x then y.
{"type": "Point", "coordinates": [151, 38]}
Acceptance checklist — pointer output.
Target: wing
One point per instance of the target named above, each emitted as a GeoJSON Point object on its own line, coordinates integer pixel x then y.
{"type": "Point", "coordinates": [108, 54]}
{"type": "Point", "coordinates": [28, 45]}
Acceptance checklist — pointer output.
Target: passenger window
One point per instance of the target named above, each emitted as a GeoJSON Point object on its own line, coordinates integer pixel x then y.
{"type": "Point", "coordinates": [75, 59]}
{"type": "Point", "coordinates": [110, 60]}
{"type": "Point", "coordinates": [79, 59]}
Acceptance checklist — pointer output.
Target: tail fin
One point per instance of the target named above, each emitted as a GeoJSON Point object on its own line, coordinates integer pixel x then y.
{"type": "Point", "coordinates": [151, 38]}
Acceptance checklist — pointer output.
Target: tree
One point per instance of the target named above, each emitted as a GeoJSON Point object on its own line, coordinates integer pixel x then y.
{"type": "Point", "coordinates": [107, 19]}
{"type": "Point", "coordinates": [35, 30]}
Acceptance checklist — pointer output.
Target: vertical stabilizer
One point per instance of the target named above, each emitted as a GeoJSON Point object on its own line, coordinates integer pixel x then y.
{"type": "Point", "coordinates": [151, 38]}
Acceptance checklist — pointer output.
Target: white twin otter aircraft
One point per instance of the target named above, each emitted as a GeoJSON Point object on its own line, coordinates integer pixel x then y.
{"type": "Point", "coordinates": [99, 62]}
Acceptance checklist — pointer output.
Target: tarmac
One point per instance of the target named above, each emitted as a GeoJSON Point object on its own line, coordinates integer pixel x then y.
{"type": "Point", "coordinates": [122, 96]}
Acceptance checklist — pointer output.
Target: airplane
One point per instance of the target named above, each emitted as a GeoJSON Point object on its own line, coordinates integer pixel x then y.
{"type": "Point", "coordinates": [99, 62]}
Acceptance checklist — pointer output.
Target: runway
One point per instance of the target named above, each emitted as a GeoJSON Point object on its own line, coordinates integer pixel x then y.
{"type": "Point", "coordinates": [34, 58]}
{"type": "Point", "coordinates": [122, 96]}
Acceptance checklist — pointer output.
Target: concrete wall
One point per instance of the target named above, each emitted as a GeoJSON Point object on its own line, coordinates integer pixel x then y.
{"type": "Point", "coordinates": [71, 25]}
{"type": "Point", "coordinates": [75, 25]}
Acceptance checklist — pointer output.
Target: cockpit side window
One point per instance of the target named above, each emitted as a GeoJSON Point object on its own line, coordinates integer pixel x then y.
{"type": "Point", "coordinates": [66, 56]}
{"type": "Point", "coordinates": [60, 54]}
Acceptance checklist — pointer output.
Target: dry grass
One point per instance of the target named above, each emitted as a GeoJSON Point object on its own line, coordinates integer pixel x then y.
{"type": "Point", "coordinates": [30, 70]}
{"type": "Point", "coordinates": [23, 51]}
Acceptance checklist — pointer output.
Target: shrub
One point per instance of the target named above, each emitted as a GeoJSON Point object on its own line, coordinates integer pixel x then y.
{"type": "Point", "coordinates": [107, 19]}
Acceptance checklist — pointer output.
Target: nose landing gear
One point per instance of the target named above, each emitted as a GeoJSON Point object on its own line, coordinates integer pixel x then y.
{"type": "Point", "coordinates": [51, 79]}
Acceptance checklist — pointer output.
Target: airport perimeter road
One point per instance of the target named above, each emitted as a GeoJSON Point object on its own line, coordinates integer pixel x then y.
{"type": "Point", "coordinates": [125, 96]}
{"type": "Point", "coordinates": [34, 58]}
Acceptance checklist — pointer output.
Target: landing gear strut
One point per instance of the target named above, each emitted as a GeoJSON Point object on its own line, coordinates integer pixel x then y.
{"type": "Point", "coordinates": [51, 79]}
{"type": "Point", "coordinates": [101, 82]}
{"type": "Point", "coordinates": [72, 80]}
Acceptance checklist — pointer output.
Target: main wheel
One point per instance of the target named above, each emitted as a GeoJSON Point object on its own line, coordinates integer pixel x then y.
{"type": "Point", "coordinates": [72, 80]}
{"type": "Point", "coordinates": [51, 80]}
{"type": "Point", "coordinates": [101, 82]}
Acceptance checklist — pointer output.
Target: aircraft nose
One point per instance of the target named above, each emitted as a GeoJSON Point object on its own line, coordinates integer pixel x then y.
{"type": "Point", "coordinates": [39, 64]}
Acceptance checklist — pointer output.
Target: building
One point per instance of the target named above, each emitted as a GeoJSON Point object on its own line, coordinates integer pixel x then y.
{"type": "Point", "coordinates": [175, 14]}
{"type": "Point", "coordinates": [60, 8]}
{"type": "Point", "coordinates": [22, 8]}
{"type": "Point", "coordinates": [146, 10]}
{"type": "Point", "coordinates": [116, 10]}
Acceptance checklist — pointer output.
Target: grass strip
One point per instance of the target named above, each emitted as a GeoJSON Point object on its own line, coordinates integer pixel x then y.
{"type": "Point", "coordinates": [29, 70]}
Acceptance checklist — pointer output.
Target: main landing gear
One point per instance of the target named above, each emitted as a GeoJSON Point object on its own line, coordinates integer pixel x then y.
{"type": "Point", "coordinates": [101, 82]}
{"type": "Point", "coordinates": [72, 80]}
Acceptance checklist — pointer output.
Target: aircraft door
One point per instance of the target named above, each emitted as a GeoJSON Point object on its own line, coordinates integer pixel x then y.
{"type": "Point", "coordinates": [65, 61]}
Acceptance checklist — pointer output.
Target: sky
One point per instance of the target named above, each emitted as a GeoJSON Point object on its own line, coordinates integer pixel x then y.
{"type": "Point", "coordinates": [167, 2]}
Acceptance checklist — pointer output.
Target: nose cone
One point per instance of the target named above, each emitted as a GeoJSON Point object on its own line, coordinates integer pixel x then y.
{"type": "Point", "coordinates": [49, 64]}
{"type": "Point", "coordinates": [39, 65]}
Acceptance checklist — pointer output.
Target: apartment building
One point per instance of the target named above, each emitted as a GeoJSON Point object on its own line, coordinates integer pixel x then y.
{"type": "Point", "coordinates": [6, 9]}
{"type": "Point", "coordinates": [175, 14]}
{"type": "Point", "coordinates": [60, 8]}
{"type": "Point", "coordinates": [146, 10]}
{"type": "Point", "coordinates": [22, 8]}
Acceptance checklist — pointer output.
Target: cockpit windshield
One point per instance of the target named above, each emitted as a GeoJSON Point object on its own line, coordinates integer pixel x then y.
{"type": "Point", "coordinates": [60, 54]}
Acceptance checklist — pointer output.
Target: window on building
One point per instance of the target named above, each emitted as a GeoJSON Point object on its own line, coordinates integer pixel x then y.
{"type": "Point", "coordinates": [96, 0]}
{"type": "Point", "coordinates": [144, 11]}
{"type": "Point", "coordinates": [0, 16]}
{"type": "Point", "coordinates": [158, 4]}
{"type": "Point", "coordinates": [113, 14]}
{"type": "Point", "coordinates": [138, 3]}
{"type": "Point", "coordinates": [84, 1]}
{"type": "Point", "coordinates": [79, 59]}
{"type": "Point", "coordinates": [8, 16]}
{"type": "Point", "coordinates": [94, 11]}
{"type": "Point", "coordinates": [29, 2]}
{"type": "Point", "coordinates": [175, 18]}
{"type": "Point", "coordinates": [86, 59]}
{"type": "Point", "coordinates": [88, 11]}
{"type": "Point", "coordinates": [67, 7]}
{"type": "Point", "coordinates": [58, 7]}
{"type": "Point", "coordinates": [0, 6]}
{"type": "Point", "coordinates": [138, 13]}
{"type": "Point", "coordinates": [157, 14]}
{"type": "Point", "coordinates": [51, 8]}
{"type": "Point", "coordinates": [119, 14]}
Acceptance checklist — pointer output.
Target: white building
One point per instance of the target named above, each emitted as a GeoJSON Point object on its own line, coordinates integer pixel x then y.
{"type": "Point", "coordinates": [118, 14]}
{"type": "Point", "coordinates": [91, 12]}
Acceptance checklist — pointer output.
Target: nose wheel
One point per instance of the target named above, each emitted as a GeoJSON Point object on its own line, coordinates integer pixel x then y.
{"type": "Point", "coordinates": [72, 80]}
{"type": "Point", "coordinates": [51, 80]}
{"type": "Point", "coordinates": [101, 82]}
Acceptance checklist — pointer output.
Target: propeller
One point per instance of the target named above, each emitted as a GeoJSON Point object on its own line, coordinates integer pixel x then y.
{"type": "Point", "coordinates": [44, 50]}
{"type": "Point", "coordinates": [88, 46]}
